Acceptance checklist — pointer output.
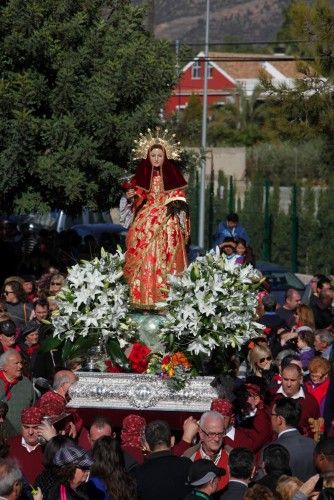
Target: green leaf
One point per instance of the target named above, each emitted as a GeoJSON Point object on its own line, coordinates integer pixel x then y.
{"type": "Point", "coordinates": [116, 354]}
{"type": "Point", "coordinates": [82, 344]}
{"type": "Point", "coordinates": [66, 352]}
{"type": "Point", "coordinates": [50, 343]}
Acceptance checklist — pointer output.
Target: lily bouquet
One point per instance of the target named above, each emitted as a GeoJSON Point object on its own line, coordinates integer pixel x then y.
{"type": "Point", "coordinates": [210, 306]}
{"type": "Point", "coordinates": [93, 308]}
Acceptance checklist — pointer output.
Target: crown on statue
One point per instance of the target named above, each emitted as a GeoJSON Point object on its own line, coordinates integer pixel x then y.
{"type": "Point", "coordinates": [161, 137]}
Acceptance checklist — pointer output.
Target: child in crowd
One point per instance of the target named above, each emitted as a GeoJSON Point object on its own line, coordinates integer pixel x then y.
{"type": "Point", "coordinates": [305, 341]}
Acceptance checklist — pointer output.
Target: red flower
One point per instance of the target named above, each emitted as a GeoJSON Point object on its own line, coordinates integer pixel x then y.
{"type": "Point", "coordinates": [138, 357]}
{"type": "Point", "coordinates": [166, 359]}
{"type": "Point", "coordinates": [111, 368]}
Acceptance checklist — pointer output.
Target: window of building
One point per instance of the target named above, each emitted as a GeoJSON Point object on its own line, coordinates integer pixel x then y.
{"type": "Point", "coordinates": [196, 70]}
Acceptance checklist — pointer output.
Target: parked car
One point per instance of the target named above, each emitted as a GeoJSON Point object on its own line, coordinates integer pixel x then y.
{"type": "Point", "coordinates": [280, 279]}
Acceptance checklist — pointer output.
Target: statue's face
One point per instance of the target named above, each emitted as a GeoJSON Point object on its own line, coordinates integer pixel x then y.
{"type": "Point", "coordinates": [157, 157]}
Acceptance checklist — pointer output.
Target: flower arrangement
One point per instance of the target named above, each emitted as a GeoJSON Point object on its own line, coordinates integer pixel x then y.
{"type": "Point", "coordinates": [138, 357]}
{"type": "Point", "coordinates": [94, 305]}
{"type": "Point", "coordinates": [211, 305]}
{"type": "Point", "coordinates": [175, 367]}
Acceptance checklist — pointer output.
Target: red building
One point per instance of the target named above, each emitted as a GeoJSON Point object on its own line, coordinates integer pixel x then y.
{"type": "Point", "coordinates": [220, 85]}
{"type": "Point", "coordinates": [227, 73]}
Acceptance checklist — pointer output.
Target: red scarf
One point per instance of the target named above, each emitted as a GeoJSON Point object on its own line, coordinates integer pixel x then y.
{"type": "Point", "coordinates": [318, 391]}
{"type": "Point", "coordinates": [7, 385]}
{"type": "Point", "coordinates": [32, 349]}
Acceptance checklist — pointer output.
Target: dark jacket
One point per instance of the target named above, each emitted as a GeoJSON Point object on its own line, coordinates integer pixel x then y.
{"type": "Point", "coordinates": [301, 450]}
{"type": "Point", "coordinates": [234, 491]}
{"type": "Point", "coordinates": [162, 476]}
{"type": "Point", "coordinates": [78, 494]}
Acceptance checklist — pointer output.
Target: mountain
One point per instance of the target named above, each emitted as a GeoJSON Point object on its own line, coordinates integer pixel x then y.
{"type": "Point", "coordinates": [242, 20]}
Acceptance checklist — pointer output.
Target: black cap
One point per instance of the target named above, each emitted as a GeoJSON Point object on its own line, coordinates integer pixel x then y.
{"type": "Point", "coordinates": [29, 327]}
{"type": "Point", "coordinates": [7, 328]}
{"type": "Point", "coordinates": [203, 471]}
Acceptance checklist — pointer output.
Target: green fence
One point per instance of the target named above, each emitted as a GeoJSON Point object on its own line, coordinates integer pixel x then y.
{"type": "Point", "coordinates": [292, 226]}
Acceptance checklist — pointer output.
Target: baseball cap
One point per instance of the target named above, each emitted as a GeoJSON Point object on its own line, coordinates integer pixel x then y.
{"type": "Point", "coordinates": [203, 471]}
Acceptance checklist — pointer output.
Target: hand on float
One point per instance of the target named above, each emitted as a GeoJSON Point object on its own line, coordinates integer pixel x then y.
{"type": "Point", "coordinates": [190, 429]}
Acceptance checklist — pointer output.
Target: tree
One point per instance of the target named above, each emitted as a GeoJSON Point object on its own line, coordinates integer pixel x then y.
{"type": "Point", "coordinates": [79, 80]}
{"type": "Point", "coordinates": [238, 123]}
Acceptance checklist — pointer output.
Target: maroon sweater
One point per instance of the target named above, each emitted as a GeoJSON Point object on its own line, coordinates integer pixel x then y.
{"type": "Point", "coordinates": [255, 437]}
{"type": "Point", "coordinates": [30, 463]}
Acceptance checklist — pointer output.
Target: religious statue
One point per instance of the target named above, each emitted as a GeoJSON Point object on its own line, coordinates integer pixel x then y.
{"type": "Point", "coordinates": [157, 238]}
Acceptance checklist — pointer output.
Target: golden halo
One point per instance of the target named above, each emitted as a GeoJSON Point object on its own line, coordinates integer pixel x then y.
{"type": "Point", "coordinates": [161, 137]}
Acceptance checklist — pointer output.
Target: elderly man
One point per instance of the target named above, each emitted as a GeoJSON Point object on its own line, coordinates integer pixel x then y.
{"type": "Point", "coordinates": [292, 378]}
{"type": "Point", "coordinates": [287, 311]}
{"type": "Point", "coordinates": [323, 343]}
{"type": "Point", "coordinates": [58, 396]}
{"type": "Point", "coordinates": [15, 389]}
{"type": "Point", "coordinates": [10, 480]}
{"type": "Point", "coordinates": [212, 430]}
{"type": "Point", "coordinates": [25, 447]}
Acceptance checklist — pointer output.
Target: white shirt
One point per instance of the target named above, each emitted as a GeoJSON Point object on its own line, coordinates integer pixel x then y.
{"type": "Point", "coordinates": [299, 394]}
{"type": "Point", "coordinates": [27, 446]}
{"type": "Point", "coordinates": [287, 430]}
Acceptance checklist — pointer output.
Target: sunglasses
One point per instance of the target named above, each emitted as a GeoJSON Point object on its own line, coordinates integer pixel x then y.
{"type": "Point", "coordinates": [55, 283]}
{"type": "Point", "coordinates": [268, 358]}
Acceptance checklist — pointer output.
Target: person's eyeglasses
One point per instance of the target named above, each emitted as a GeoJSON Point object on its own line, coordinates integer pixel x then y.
{"type": "Point", "coordinates": [268, 358]}
{"type": "Point", "coordinates": [6, 292]}
{"type": "Point", "coordinates": [212, 435]}
{"type": "Point", "coordinates": [316, 375]}
{"type": "Point", "coordinates": [56, 283]}
{"type": "Point", "coordinates": [274, 414]}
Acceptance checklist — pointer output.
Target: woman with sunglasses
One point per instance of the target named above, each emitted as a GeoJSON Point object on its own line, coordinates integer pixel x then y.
{"type": "Point", "coordinates": [16, 301]}
{"type": "Point", "coordinates": [261, 363]}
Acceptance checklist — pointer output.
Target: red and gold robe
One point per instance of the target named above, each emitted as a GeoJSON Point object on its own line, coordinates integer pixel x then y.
{"type": "Point", "coordinates": [155, 245]}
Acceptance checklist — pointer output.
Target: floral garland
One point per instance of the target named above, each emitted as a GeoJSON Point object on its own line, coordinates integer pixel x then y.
{"type": "Point", "coordinates": [211, 305]}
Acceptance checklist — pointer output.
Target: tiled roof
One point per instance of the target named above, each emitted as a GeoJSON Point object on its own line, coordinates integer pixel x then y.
{"type": "Point", "coordinates": [248, 66]}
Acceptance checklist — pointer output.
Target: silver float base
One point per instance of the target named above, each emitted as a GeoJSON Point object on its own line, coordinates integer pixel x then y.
{"type": "Point", "coordinates": [142, 392]}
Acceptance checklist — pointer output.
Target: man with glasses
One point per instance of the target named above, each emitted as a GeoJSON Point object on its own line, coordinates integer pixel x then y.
{"type": "Point", "coordinates": [212, 429]}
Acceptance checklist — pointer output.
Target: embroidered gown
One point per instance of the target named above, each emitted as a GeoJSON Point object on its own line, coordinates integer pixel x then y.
{"type": "Point", "coordinates": [155, 245]}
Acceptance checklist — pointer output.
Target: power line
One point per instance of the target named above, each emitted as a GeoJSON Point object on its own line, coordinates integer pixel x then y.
{"type": "Point", "coordinates": [263, 58]}
{"type": "Point", "coordinates": [263, 42]}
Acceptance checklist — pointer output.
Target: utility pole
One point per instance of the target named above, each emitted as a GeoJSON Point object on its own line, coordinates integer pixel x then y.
{"type": "Point", "coordinates": [151, 16]}
{"type": "Point", "coordinates": [201, 221]}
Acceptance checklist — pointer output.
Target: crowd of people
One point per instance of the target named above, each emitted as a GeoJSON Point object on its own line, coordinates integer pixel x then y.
{"type": "Point", "coordinates": [269, 434]}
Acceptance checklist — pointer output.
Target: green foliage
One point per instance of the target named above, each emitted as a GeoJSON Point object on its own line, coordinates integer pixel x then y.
{"type": "Point", "coordinates": [238, 123]}
{"type": "Point", "coordinates": [79, 80]}
{"type": "Point", "coordinates": [188, 124]}
{"type": "Point", "coordinates": [289, 161]}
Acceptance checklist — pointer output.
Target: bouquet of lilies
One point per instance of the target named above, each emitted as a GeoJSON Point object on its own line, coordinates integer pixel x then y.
{"type": "Point", "coordinates": [211, 305]}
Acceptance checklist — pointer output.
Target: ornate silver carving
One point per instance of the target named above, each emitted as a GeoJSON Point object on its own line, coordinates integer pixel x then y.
{"type": "Point", "coordinates": [131, 391]}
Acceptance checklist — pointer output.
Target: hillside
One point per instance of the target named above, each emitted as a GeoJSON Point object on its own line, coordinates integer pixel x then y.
{"type": "Point", "coordinates": [243, 20]}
